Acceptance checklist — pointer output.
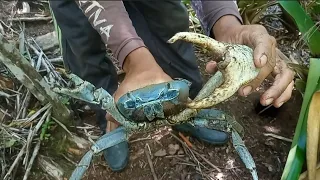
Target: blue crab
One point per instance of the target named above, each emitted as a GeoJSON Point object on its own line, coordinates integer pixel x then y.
{"type": "Point", "coordinates": [149, 104]}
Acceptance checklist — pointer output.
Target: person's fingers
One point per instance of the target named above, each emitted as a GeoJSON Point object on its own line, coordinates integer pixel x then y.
{"type": "Point", "coordinates": [251, 86]}
{"type": "Point", "coordinates": [285, 96]}
{"type": "Point", "coordinates": [264, 55]}
{"type": "Point", "coordinates": [263, 44]}
{"type": "Point", "coordinates": [279, 86]}
{"type": "Point", "coordinates": [211, 67]}
{"type": "Point", "coordinates": [264, 51]}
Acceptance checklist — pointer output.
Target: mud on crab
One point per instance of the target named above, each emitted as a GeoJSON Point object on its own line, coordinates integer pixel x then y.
{"type": "Point", "coordinates": [236, 68]}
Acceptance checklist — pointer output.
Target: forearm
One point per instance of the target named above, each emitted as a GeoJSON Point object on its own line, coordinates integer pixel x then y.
{"type": "Point", "coordinates": [223, 25]}
{"type": "Point", "coordinates": [216, 16]}
{"type": "Point", "coordinates": [112, 21]}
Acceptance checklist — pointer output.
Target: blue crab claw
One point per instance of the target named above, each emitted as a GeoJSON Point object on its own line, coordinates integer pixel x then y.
{"type": "Point", "coordinates": [244, 154]}
{"type": "Point", "coordinates": [154, 101]}
{"type": "Point", "coordinates": [110, 139]}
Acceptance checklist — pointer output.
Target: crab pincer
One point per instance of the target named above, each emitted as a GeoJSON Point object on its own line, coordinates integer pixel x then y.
{"type": "Point", "coordinates": [235, 62]}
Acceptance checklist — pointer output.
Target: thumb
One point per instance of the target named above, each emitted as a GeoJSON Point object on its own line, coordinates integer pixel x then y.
{"type": "Point", "coordinates": [211, 67]}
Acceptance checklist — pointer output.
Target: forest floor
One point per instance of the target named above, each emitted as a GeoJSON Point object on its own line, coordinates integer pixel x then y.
{"type": "Point", "coordinates": [269, 153]}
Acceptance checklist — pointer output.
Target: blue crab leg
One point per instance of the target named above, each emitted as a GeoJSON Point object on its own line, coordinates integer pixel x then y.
{"type": "Point", "coordinates": [87, 92]}
{"type": "Point", "coordinates": [244, 154]}
{"type": "Point", "coordinates": [110, 139]}
{"type": "Point", "coordinates": [214, 118]}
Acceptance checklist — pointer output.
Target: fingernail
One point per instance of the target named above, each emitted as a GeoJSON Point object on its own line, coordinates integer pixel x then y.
{"type": "Point", "coordinates": [269, 101]}
{"type": "Point", "coordinates": [280, 104]}
{"type": "Point", "coordinates": [263, 60]}
{"type": "Point", "coordinates": [247, 90]}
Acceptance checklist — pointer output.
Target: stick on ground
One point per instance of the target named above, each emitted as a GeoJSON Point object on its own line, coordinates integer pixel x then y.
{"type": "Point", "coordinates": [31, 19]}
{"type": "Point", "coordinates": [13, 165]}
{"type": "Point", "coordinates": [278, 137]}
{"type": "Point", "coordinates": [34, 154]}
{"type": "Point", "coordinates": [146, 150]}
{"type": "Point", "coordinates": [195, 152]}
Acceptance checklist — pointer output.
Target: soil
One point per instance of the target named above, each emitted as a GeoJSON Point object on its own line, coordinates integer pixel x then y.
{"type": "Point", "coordinates": [270, 154]}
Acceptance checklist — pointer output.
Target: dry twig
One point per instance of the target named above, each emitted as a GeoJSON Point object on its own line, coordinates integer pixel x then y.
{"type": "Point", "coordinates": [140, 139]}
{"type": "Point", "coordinates": [15, 162]}
{"type": "Point", "coordinates": [195, 152]}
{"type": "Point", "coordinates": [185, 140]}
{"type": "Point", "coordinates": [146, 150]}
{"type": "Point", "coordinates": [278, 137]}
{"type": "Point", "coordinates": [34, 154]}
{"type": "Point", "coordinates": [63, 126]}
{"type": "Point", "coordinates": [31, 19]}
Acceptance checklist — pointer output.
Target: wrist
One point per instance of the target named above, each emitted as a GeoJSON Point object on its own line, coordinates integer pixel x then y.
{"type": "Point", "coordinates": [224, 26]}
{"type": "Point", "coordinates": [139, 60]}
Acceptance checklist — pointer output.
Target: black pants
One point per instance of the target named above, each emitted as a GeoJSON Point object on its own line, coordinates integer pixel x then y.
{"type": "Point", "coordinates": [155, 22]}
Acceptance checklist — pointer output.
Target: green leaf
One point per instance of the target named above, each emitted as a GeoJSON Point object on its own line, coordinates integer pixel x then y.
{"type": "Point", "coordinates": [186, 1]}
{"type": "Point", "coordinates": [300, 86]}
{"type": "Point", "coordinates": [297, 153]}
{"type": "Point", "coordinates": [306, 26]}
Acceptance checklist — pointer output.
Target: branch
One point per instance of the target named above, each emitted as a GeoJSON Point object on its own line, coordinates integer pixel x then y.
{"type": "Point", "coordinates": [31, 19]}
{"type": "Point", "coordinates": [31, 79]}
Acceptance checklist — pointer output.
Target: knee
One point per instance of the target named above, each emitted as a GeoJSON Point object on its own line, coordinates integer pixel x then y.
{"type": "Point", "coordinates": [179, 22]}
{"type": "Point", "coordinates": [173, 19]}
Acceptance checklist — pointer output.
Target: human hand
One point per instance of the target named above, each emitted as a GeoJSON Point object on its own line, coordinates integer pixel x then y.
{"type": "Point", "coordinates": [141, 70]}
{"type": "Point", "coordinates": [228, 29]}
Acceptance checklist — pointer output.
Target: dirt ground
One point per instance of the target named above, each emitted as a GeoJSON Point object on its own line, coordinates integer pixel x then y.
{"type": "Point", "coordinates": [269, 153]}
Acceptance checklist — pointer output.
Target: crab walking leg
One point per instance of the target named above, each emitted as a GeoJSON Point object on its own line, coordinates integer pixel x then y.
{"type": "Point", "coordinates": [110, 139]}
{"type": "Point", "coordinates": [244, 154]}
{"type": "Point", "coordinates": [208, 118]}
{"type": "Point", "coordinates": [217, 48]}
{"type": "Point", "coordinates": [88, 93]}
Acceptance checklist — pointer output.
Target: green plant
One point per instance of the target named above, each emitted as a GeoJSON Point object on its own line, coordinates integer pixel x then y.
{"type": "Point", "coordinates": [45, 128]}
{"type": "Point", "coordinates": [302, 76]}
{"type": "Point", "coordinates": [305, 24]}
{"type": "Point", "coordinates": [312, 7]}
{"type": "Point", "coordinates": [297, 153]}
{"type": "Point", "coordinates": [308, 83]}
{"type": "Point", "coordinates": [251, 11]}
